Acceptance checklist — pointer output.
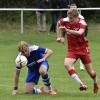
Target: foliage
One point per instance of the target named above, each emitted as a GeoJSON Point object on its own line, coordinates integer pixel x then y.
{"type": "Point", "coordinates": [10, 17]}
{"type": "Point", "coordinates": [88, 3]}
{"type": "Point", "coordinates": [33, 3]}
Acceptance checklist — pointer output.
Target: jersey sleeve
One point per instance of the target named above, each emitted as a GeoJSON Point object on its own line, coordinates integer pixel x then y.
{"type": "Point", "coordinates": [39, 49]}
{"type": "Point", "coordinates": [63, 21]}
{"type": "Point", "coordinates": [83, 24]}
{"type": "Point", "coordinates": [81, 17]}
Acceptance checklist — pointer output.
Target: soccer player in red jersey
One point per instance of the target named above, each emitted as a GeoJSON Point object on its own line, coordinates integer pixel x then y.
{"type": "Point", "coordinates": [73, 6]}
{"type": "Point", "coordinates": [77, 47]}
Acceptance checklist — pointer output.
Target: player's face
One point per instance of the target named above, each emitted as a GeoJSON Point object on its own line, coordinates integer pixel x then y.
{"type": "Point", "coordinates": [25, 51]}
{"type": "Point", "coordinates": [72, 19]}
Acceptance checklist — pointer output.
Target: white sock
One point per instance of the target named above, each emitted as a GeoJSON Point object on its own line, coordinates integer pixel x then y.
{"type": "Point", "coordinates": [36, 90]}
{"type": "Point", "coordinates": [39, 91]}
{"type": "Point", "coordinates": [76, 78]}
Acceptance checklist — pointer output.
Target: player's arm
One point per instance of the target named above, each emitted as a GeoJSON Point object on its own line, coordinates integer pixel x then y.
{"type": "Point", "coordinates": [16, 81]}
{"type": "Point", "coordinates": [17, 74]}
{"type": "Point", "coordinates": [79, 32]}
{"type": "Point", "coordinates": [48, 53]}
{"type": "Point", "coordinates": [75, 32]}
{"type": "Point", "coordinates": [59, 31]}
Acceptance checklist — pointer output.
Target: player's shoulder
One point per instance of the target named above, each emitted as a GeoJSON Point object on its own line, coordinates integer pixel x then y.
{"type": "Point", "coordinates": [64, 19]}
{"type": "Point", "coordinates": [81, 17]}
{"type": "Point", "coordinates": [82, 22]}
{"type": "Point", "coordinates": [33, 48]}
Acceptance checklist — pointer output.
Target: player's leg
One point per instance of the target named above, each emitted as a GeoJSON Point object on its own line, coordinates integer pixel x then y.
{"type": "Point", "coordinates": [29, 88]}
{"type": "Point", "coordinates": [68, 63]}
{"type": "Point", "coordinates": [43, 70]}
{"type": "Point", "coordinates": [81, 65]}
{"type": "Point", "coordinates": [92, 74]}
{"type": "Point", "coordinates": [88, 66]}
{"type": "Point", "coordinates": [31, 81]}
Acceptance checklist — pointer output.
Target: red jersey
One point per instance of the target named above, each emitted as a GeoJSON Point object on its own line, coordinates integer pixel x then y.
{"type": "Point", "coordinates": [76, 43]}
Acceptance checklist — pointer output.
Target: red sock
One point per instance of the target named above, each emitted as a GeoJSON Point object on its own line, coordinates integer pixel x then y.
{"type": "Point", "coordinates": [72, 71]}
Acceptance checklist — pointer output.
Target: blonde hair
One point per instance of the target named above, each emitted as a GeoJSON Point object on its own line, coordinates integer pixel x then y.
{"type": "Point", "coordinates": [22, 45]}
{"type": "Point", "coordinates": [73, 12]}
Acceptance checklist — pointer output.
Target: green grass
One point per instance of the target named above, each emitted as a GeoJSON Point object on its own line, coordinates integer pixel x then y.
{"type": "Point", "coordinates": [67, 88]}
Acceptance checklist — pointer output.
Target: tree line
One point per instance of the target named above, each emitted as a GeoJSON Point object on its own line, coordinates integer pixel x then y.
{"type": "Point", "coordinates": [33, 3]}
{"type": "Point", "coordinates": [94, 15]}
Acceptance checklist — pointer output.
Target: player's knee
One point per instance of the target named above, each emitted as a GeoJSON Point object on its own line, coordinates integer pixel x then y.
{"type": "Point", "coordinates": [93, 74]}
{"type": "Point", "coordinates": [67, 65]}
{"type": "Point", "coordinates": [42, 71]}
{"type": "Point", "coordinates": [28, 89]}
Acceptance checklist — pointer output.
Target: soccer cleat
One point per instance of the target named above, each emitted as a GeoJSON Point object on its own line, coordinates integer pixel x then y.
{"type": "Point", "coordinates": [83, 87]}
{"type": "Point", "coordinates": [44, 90]}
{"type": "Point", "coordinates": [96, 88]}
{"type": "Point", "coordinates": [53, 92]}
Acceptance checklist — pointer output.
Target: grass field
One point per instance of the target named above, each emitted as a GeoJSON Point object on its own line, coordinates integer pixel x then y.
{"type": "Point", "coordinates": [67, 88]}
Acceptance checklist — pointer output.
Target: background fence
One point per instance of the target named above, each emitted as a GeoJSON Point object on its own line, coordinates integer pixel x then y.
{"type": "Point", "coordinates": [22, 10]}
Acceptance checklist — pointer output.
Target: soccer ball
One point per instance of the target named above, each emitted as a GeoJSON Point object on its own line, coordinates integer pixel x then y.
{"type": "Point", "coordinates": [21, 61]}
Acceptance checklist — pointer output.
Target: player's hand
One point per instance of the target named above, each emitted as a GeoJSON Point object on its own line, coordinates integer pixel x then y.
{"type": "Point", "coordinates": [58, 39]}
{"type": "Point", "coordinates": [40, 60]}
{"type": "Point", "coordinates": [14, 92]}
{"type": "Point", "coordinates": [62, 40]}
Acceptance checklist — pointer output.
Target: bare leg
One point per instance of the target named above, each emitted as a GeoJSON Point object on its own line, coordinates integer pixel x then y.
{"type": "Point", "coordinates": [46, 80]}
{"type": "Point", "coordinates": [92, 74]}
{"type": "Point", "coordinates": [29, 88]}
{"type": "Point", "coordinates": [69, 66]}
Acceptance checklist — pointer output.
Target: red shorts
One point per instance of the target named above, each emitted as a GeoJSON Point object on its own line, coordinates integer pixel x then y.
{"type": "Point", "coordinates": [84, 58]}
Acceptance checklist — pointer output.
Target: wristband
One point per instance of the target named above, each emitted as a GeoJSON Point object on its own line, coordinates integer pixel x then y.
{"type": "Point", "coordinates": [43, 59]}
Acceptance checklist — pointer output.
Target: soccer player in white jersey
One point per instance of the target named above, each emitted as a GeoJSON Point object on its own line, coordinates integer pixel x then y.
{"type": "Point", "coordinates": [35, 70]}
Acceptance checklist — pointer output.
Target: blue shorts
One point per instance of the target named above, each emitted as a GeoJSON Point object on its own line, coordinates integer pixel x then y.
{"type": "Point", "coordinates": [33, 75]}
